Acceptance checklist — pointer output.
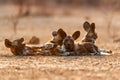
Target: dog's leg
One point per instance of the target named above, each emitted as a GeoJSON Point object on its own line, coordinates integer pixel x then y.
{"type": "Point", "coordinates": [94, 50]}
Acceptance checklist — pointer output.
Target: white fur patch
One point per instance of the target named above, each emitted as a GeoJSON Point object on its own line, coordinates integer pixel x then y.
{"type": "Point", "coordinates": [92, 54]}
{"type": "Point", "coordinates": [48, 46]}
{"type": "Point", "coordinates": [104, 54]}
{"type": "Point", "coordinates": [26, 51]}
{"type": "Point", "coordinates": [66, 54]}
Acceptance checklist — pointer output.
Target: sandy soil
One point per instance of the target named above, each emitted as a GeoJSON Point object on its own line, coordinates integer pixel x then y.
{"type": "Point", "coordinates": [55, 67]}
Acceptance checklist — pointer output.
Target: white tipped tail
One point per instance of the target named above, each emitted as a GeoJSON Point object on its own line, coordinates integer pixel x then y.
{"type": "Point", "coordinates": [104, 54]}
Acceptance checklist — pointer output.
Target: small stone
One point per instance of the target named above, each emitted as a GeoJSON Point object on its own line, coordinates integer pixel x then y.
{"type": "Point", "coordinates": [34, 40]}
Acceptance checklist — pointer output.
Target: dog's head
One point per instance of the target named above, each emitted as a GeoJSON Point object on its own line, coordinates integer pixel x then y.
{"type": "Point", "coordinates": [16, 46]}
{"type": "Point", "coordinates": [58, 37]}
{"type": "Point", "coordinates": [68, 42]}
{"type": "Point", "coordinates": [91, 35]}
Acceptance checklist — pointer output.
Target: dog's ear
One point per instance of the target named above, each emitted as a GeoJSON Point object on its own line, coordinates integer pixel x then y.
{"type": "Point", "coordinates": [76, 35]}
{"type": "Point", "coordinates": [62, 33]}
{"type": "Point", "coordinates": [92, 27]}
{"type": "Point", "coordinates": [86, 26]}
{"type": "Point", "coordinates": [21, 40]}
{"type": "Point", "coordinates": [8, 43]}
{"type": "Point", "coordinates": [54, 33]}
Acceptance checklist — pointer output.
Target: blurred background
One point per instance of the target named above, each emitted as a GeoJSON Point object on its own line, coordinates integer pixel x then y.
{"type": "Point", "coordinates": [28, 18]}
{"type": "Point", "coordinates": [19, 17]}
{"type": "Point", "coordinates": [59, 7]}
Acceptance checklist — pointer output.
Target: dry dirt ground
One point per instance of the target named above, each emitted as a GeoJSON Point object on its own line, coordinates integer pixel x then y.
{"type": "Point", "coordinates": [56, 67]}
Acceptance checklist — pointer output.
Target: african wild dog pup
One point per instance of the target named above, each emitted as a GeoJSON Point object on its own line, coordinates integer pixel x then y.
{"type": "Point", "coordinates": [58, 37]}
{"type": "Point", "coordinates": [91, 37]}
{"type": "Point", "coordinates": [17, 47]}
{"type": "Point", "coordinates": [53, 47]}
{"type": "Point", "coordinates": [91, 34]}
{"type": "Point", "coordinates": [69, 43]}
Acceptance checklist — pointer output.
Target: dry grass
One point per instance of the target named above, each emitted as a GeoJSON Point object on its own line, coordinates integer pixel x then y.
{"type": "Point", "coordinates": [54, 67]}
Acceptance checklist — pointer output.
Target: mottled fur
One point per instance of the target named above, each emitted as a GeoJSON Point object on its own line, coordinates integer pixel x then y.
{"type": "Point", "coordinates": [85, 48]}
{"type": "Point", "coordinates": [18, 48]}
{"type": "Point", "coordinates": [69, 43]}
{"type": "Point", "coordinates": [91, 35]}
{"type": "Point", "coordinates": [58, 37]}
{"type": "Point", "coordinates": [53, 47]}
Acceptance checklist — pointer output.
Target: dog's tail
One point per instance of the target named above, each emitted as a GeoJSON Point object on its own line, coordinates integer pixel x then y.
{"type": "Point", "coordinates": [105, 52]}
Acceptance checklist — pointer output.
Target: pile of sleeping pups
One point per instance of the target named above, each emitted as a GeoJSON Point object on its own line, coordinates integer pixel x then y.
{"type": "Point", "coordinates": [61, 44]}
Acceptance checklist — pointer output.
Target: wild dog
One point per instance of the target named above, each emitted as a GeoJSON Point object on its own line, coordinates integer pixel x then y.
{"type": "Point", "coordinates": [17, 47]}
{"type": "Point", "coordinates": [58, 37]}
{"type": "Point", "coordinates": [91, 34]}
{"type": "Point", "coordinates": [53, 47]}
{"type": "Point", "coordinates": [69, 45]}
{"type": "Point", "coordinates": [91, 37]}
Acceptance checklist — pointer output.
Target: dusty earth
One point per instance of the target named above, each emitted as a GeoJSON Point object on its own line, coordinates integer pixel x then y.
{"type": "Point", "coordinates": [56, 67]}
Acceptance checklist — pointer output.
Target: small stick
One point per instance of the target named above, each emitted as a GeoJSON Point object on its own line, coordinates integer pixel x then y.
{"type": "Point", "coordinates": [15, 24]}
